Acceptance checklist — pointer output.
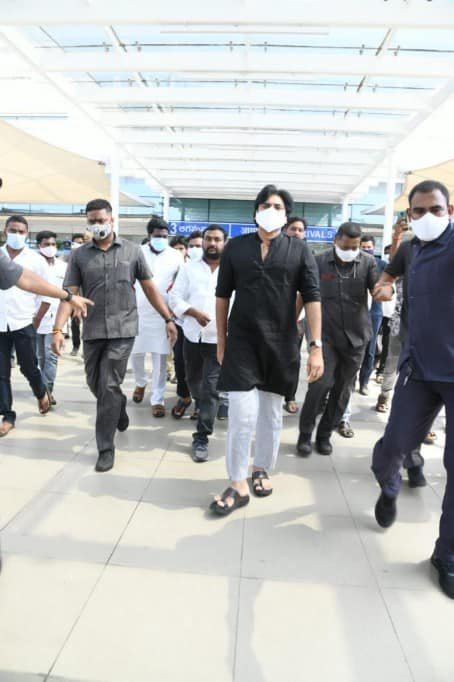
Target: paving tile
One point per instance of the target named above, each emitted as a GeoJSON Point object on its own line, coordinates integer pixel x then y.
{"type": "Point", "coordinates": [40, 599]}
{"type": "Point", "coordinates": [72, 527]}
{"type": "Point", "coordinates": [12, 500]}
{"type": "Point", "coordinates": [127, 633]}
{"type": "Point", "coordinates": [423, 621]}
{"type": "Point", "coordinates": [316, 632]}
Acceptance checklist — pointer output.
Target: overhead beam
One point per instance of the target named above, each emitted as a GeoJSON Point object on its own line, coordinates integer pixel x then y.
{"type": "Point", "coordinates": [237, 13]}
{"type": "Point", "coordinates": [254, 121]}
{"type": "Point", "coordinates": [246, 63]}
{"type": "Point", "coordinates": [174, 176]}
{"type": "Point", "coordinates": [246, 139]}
{"type": "Point", "coordinates": [253, 96]}
{"type": "Point", "coordinates": [285, 166]}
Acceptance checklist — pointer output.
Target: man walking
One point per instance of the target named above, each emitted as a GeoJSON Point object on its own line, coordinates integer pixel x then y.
{"type": "Point", "coordinates": [106, 268]}
{"type": "Point", "coordinates": [259, 356]}
{"type": "Point", "coordinates": [347, 274]}
{"type": "Point", "coordinates": [21, 314]}
{"type": "Point", "coordinates": [193, 298]}
{"type": "Point", "coordinates": [426, 371]}
{"type": "Point", "coordinates": [164, 262]}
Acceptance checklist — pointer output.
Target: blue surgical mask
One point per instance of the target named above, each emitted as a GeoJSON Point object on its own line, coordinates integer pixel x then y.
{"type": "Point", "coordinates": [15, 240]}
{"type": "Point", "coordinates": [369, 251]}
{"type": "Point", "coordinates": [159, 243]}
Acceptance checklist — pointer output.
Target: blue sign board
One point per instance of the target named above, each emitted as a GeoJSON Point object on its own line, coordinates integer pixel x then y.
{"type": "Point", "coordinates": [182, 228]}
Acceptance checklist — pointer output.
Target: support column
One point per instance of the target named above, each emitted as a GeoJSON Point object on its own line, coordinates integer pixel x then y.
{"type": "Point", "coordinates": [115, 186]}
{"type": "Point", "coordinates": [389, 206]}
{"type": "Point", "coordinates": [165, 205]}
{"type": "Point", "coordinates": [345, 209]}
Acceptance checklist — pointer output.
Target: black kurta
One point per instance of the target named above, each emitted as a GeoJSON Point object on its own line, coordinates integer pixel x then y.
{"type": "Point", "coordinates": [262, 349]}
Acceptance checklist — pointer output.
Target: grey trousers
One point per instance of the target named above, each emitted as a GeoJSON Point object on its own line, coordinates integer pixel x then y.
{"type": "Point", "coordinates": [106, 361]}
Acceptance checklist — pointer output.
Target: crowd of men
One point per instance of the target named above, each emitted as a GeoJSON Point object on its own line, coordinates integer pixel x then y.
{"type": "Point", "coordinates": [233, 314]}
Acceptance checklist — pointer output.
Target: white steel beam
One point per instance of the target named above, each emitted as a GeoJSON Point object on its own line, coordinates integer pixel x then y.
{"type": "Point", "coordinates": [172, 177]}
{"type": "Point", "coordinates": [247, 139]}
{"type": "Point", "coordinates": [234, 14]}
{"type": "Point", "coordinates": [285, 166]}
{"type": "Point", "coordinates": [253, 96]}
{"type": "Point", "coordinates": [263, 121]}
{"type": "Point", "coordinates": [244, 63]}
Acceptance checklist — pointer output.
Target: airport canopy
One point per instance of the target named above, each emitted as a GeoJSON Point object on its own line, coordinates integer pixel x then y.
{"type": "Point", "coordinates": [217, 99]}
{"type": "Point", "coordinates": [33, 171]}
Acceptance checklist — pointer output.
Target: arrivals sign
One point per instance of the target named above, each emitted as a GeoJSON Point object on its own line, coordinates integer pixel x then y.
{"type": "Point", "coordinates": [182, 228]}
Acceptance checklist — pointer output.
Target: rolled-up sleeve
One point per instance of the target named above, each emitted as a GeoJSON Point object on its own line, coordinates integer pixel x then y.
{"type": "Point", "coordinates": [226, 279]}
{"type": "Point", "coordinates": [309, 281]}
{"type": "Point", "coordinates": [9, 272]}
{"type": "Point", "coordinates": [179, 293]}
{"type": "Point", "coordinates": [142, 271]}
{"type": "Point", "coordinates": [73, 276]}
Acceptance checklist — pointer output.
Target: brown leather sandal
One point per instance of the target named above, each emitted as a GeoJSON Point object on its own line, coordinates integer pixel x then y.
{"type": "Point", "coordinates": [382, 404]}
{"type": "Point", "coordinates": [138, 394]}
{"type": "Point", "coordinates": [44, 403]}
{"type": "Point", "coordinates": [180, 408]}
{"type": "Point", "coordinates": [158, 410]}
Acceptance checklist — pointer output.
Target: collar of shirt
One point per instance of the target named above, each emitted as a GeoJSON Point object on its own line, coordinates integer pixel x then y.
{"type": "Point", "coordinates": [117, 241]}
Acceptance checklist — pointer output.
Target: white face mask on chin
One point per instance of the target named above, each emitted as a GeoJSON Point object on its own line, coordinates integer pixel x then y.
{"type": "Point", "coordinates": [429, 227]}
{"type": "Point", "coordinates": [270, 219]}
{"type": "Point", "coordinates": [346, 256]}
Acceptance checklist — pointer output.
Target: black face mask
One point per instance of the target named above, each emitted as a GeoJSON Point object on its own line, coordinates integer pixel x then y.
{"type": "Point", "coordinates": [211, 256]}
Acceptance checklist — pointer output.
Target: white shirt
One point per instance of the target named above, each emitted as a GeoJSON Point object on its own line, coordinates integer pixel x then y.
{"type": "Point", "coordinates": [195, 287]}
{"type": "Point", "coordinates": [17, 307]}
{"type": "Point", "coordinates": [56, 274]}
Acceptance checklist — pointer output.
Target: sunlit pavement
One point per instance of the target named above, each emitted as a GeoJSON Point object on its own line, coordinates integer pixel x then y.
{"type": "Point", "coordinates": [125, 577]}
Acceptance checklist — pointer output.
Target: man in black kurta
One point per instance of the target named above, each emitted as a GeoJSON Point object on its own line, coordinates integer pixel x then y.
{"type": "Point", "coordinates": [260, 353]}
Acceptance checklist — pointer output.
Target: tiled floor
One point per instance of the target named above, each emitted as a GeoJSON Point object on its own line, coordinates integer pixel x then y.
{"type": "Point", "coordinates": [125, 577]}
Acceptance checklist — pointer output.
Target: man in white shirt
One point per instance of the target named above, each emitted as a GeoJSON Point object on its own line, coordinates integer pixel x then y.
{"type": "Point", "coordinates": [47, 360]}
{"type": "Point", "coordinates": [21, 313]}
{"type": "Point", "coordinates": [193, 298]}
{"type": "Point", "coordinates": [164, 263]}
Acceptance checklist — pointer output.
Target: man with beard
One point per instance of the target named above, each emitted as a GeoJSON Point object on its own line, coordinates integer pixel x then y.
{"type": "Point", "coordinates": [193, 298]}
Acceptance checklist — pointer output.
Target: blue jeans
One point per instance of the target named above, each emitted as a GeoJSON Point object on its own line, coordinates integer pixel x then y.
{"type": "Point", "coordinates": [47, 360]}
{"type": "Point", "coordinates": [24, 341]}
{"type": "Point", "coordinates": [369, 358]}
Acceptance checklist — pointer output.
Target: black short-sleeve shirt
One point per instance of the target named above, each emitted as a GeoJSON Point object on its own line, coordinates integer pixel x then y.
{"type": "Point", "coordinates": [108, 278]}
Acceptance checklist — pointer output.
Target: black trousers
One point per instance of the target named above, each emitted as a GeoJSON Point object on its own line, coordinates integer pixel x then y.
{"type": "Point", "coordinates": [106, 361]}
{"type": "Point", "coordinates": [342, 363]}
{"type": "Point", "coordinates": [202, 374]}
{"type": "Point", "coordinates": [385, 339]}
{"type": "Point", "coordinates": [415, 406]}
{"type": "Point", "coordinates": [24, 341]}
{"type": "Point", "coordinates": [75, 332]}
{"type": "Point", "coordinates": [180, 370]}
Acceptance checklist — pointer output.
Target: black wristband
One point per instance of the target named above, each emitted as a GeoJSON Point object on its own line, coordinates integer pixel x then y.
{"type": "Point", "coordinates": [168, 319]}
{"type": "Point", "coordinates": [68, 296]}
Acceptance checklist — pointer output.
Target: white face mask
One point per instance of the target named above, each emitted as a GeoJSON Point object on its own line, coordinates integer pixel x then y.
{"type": "Point", "coordinates": [271, 219]}
{"type": "Point", "coordinates": [15, 240]}
{"type": "Point", "coordinates": [347, 256]}
{"type": "Point", "coordinates": [49, 251]}
{"type": "Point", "coordinates": [429, 227]}
{"type": "Point", "coordinates": [75, 245]}
{"type": "Point", "coordinates": [100, 231]}
{"type": "Point", "coordinates": [195, 252]}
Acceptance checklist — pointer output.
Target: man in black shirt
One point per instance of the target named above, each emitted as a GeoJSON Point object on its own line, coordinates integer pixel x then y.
{"type": "Point", "coordinates": [106, 268]}
{"type": "Point", "coordinates": [260, 355]}
{"type": "Point", "coordinates": [346, 276]}
{"type": "Point", "coordinates": [426, 368]}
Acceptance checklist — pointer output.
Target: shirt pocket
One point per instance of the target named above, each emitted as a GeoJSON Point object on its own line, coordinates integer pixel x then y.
{"type": "Point", "coordinates": [125, 293]}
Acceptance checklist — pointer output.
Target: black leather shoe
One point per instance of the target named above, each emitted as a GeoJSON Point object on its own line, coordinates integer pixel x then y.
{"type": "Point", "coordinates": [416, 478]}
{"type": "Point", "coordinates": [385, 510]}
{"type": "Point", "coordinates": [323, 445]}
{"type": "Point", "coordinates": [105, 461]}
{"type": "Point", "coordinates": [123, 422]}
{"type": "Point", "coordinates": [445, 575]}
{"type": "Point", "coordinates": [304, 445]}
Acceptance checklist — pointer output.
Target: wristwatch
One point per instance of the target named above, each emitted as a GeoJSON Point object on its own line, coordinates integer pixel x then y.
{"type": "Point", "coordinates": [316, 343]}
{"type": "Point", "coordinates": [168, 320]}
{"type": "Point", "coordinates": [68, 296]}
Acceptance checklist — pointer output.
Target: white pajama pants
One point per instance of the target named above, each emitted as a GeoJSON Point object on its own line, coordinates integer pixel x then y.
{"type": "Point", "coordinates": [249, 412]}
{"type": "Point", "coordinates": [158, 375]}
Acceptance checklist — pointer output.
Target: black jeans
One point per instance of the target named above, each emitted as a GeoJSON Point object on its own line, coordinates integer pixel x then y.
{"type": "Point", "coordinates": [178, 362]}
{"type": "Point", "coordinates": [202, 374]}
{"type": "Point", "coordinates": [106, 361]}
{"type": "Point", "coordinates": [342, 362]}
{"type": "Point", "coordinates": [24, 341]}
